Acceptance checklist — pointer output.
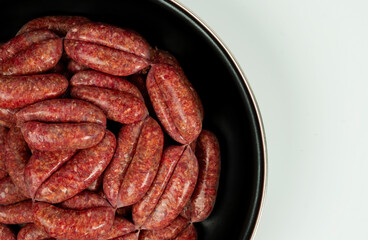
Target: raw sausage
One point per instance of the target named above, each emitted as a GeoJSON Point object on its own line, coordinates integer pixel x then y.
{"type": "Point", "coordinates": [119, 106]}
{"type": "Point", "coordinates": [113, 37]}
{"type": "Point", "coordinates": [17, 155]}
{"type": "Point", "coordinates": [22, 42]}
{"type": "Point", "coordinates": [58, 24]}
{"type": "Point", "coordinates": [74, 67]}
{"type": "Point", "coordinates": [204, 196]}
{"type": "Point", "coordinates": [20, 91]}
{"type": "Point", "coordinates": [174, 103]}
{"type": "Point", "coordinates": [79, 172]}
{"type": "Point", "coordinates": [180, 188]}
{"type": "Point", "coordinates": [95, 186]}
{"type": "Point", "coordinates": [73, 224]}
{"type": "Point", "coordinates": [120, 227]}
{"type": "Point", "coordinates": [135, 162]}
{"type": "Point", "coordinates": [38, 58]}
{"type": "Point", "coordinates": [41, 165]}
{"type": "Point", "coordinates": [103, 80]}
{"type": "Point", "coordinates": [144, 207]}
{"type": "Point", "coordinates": [62, 136]}
{"type": "Point", "coordinates": [61, 110]}
{"type": "Point", "coordinates": [85, 200]}
{"type": "Point", "coordinates": [17, 213]}
{"type": "Point", "coordinates": [104, 59]}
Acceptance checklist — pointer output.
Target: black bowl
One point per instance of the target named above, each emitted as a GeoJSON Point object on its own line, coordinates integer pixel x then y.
{"type": "Point", "coordinates": [230, 108]}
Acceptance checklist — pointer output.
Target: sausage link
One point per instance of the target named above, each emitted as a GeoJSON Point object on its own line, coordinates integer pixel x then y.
{"type": "Point", "coordinates": [58, 24]}
{"type": "Point", "coordinates": [104, 59]}
{"type": "Point", "coordinates": [73, 224]}
{"type": "Point", "coordinates": [118, 106]}
{"type": "Point", "coordinates": [120, 227]}
{"type": "Point", "coordinates": [17, 213]}
{"type": "Point", "coordinates": [61, 110]}
{"type": "Point", "coordinates": [162, 56]}
{"type": "Point", "coordinates": [9, 193]}
{"type": "Point", "coordinates": [144, 207]}
{"type": "Point", "coordinates": [85, 200]}
{"type": "Point", "coordinates": [180, 188]}
{"type": "Point", "coordinates": [41, 166]}
{"type": "Point", "coordinates": [22, 42]}
{"type": "Point", "coordinates": [144, 165]}
{"type": "Point", "coordinates": [204, 195]}
{"type": "Point", "coordinates": [174, 103]}
{"type": "Point", "coordinates": [17, 155]}
{"type": "Point", "coordinates": [7, 117]}
{"type": "Point", "coordinates": [138, 152]}
{"type": "Point", "coordinates": [79, 172]}
{"type": "Point", "coordinates": [74, 67]}
{"type": "Point", "coordinates": [62, 136]}
{"type": "Point", "coordinates": [38, 58]}
{"type": "Point", "coordinates": [32, 232]}
{"type": "Point", "coordinates": [20, 91]}
{"type": "Point", "coordinates": [6, 233]}
{"type": "Point", "coordinates": [167, 233]}
{"type": "Point", "coordinates": [139, 80]}
{"type": "Point", "coordinates": [3, 135]}
{"type": "Point", "coordinates": [103, 80]}
{"type": "Point", "coordinates": [113, 37]}
{"type": "Point", "coordinates": [190, 233]}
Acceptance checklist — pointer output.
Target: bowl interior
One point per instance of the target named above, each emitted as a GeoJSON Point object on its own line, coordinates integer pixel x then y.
{"type": "Point", "coordinates": [229, 110]}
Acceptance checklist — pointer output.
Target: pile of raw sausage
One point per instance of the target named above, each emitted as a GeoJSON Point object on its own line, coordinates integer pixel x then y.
{"type": "Point", "coordinates": [66, 85]}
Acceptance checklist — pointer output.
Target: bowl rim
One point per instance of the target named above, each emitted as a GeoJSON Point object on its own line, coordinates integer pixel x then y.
{"type": "Point", "coordinates": [234, 62]}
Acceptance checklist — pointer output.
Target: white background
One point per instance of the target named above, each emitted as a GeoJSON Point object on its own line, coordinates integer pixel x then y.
{"type": "Point", "coordinates": [307, 63]}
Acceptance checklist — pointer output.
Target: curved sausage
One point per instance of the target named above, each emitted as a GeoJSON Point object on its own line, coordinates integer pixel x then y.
{"type": "Point", "coordinates": [102, 80]}
{"type": "Point", "coordinates": [180, 188]}
{"type": "Point", "coordinates": [32, 232]}
{"type": "Point", "coordinates": [204, 195]}
{"type": "Point", "coordinates": [135, 162]}
{"type": "Point", "coordinates": [59, 24]}
{"type": "Point", "coordinates": [17, 155]}
{"type": "Point", "coordinates": [6, 233]}
{"type": "Point", "coordinates": [7, 117]}
{"type": "Point", "coordinates": [113, 37]}
{"type": "Point", "coordinates": [41, 166]}
{"type": "Point", "coordinates": [39, 57]}
{"type": "Point", "coordinates": [73, 224]}
{"type": "Point", "coordinates": [20, 91]}
{"type": "Point", "coordinates": [85, 200]}
{"type": "Point", "coordinates": [22, 42]}
{"type": "Point", "coordinates": [17, 213]}
{"type": "Point", "coordinates": [9, 193]}
{"type": "Point", "coordinates": [190, 233]}
{"type": "Point", "coordinates": [144, 207]}
{"type": "Point", "coordinates": [104, 59]}
{"type": "Point", "coordinates": [62, 136]}
{"type": "Point", "coordinates": [162, 56]}
{"type": "Point", "coordinates": [119, 106]}
{"type": "Point", "coordinates": [79, 172]}
{"type": "Point", "coordinates": [3, 135]}
{"type": "Point", "coordinates": [167, 233]}
{"type": "Point", "coordinates": [61, 110]}
{"type": "Point", "coordinates": [174, 103]}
